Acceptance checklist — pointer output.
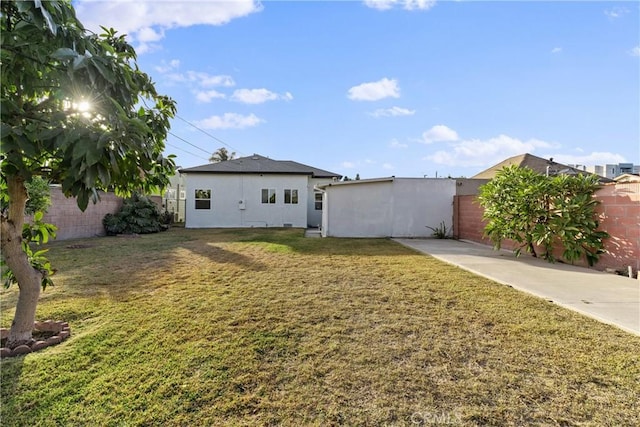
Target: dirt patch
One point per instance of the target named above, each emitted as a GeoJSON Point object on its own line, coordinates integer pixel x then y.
{"type": "Point", "coordinates": [79, 246]}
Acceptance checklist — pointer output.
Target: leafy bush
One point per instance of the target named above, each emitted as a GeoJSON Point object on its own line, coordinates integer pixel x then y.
{"type": "Point", "coordinates": [138, 215]}
{"type": "Point", "coordinates": [532, 209]}
{"type": "Point", "coordinates": [39, 195]}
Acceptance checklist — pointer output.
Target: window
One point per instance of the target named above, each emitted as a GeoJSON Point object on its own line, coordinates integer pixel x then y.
{"type": "Point", "coordinates": [203, 199]}
{"type": "Point", "coordinates": [268, 195]}
{"type": "Point", "coordinates": [183, 195]}
{"type": "Point", "coordinates": [170, 194]}
{"type": "Point", "coordinates": [291, 197]}
{"type": "Point", "coordinates": [318, 201]}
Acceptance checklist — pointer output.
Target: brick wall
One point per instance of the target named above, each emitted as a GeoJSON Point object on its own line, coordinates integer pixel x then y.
{"type": "Point", "coordinates": [619, 213]}
{"type": "Point", "coordinates": [72, 223]}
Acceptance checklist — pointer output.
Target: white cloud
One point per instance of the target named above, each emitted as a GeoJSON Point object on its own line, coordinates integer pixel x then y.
{"type": "Point", "coordinates": [201, 79]}
{"type": "Point", "coordinates": [348, 165]}
{"type": "Point", "coordinates": [635, 51]}
{"type": "Point", "coordinates": [595, 158]}
{"type": "Point", "coordinates": [392, 112]}
{"type": "Point", "coordinates": [148, 34]}
{"type": "Point", "coordinates": [439, 133]}
{"type": "Point", "coordinates": [165, 67]}
{"type": "Point", "coordinates": [208, 80]}
{"type": "Point", "coordinates": [146, 21]}
{"type": "Point", "coordinates": [258, 96]}
{"type": "Point", "coordinates": [556, 50]}
{"type": "Point", "coordinates": [405, 4]}
{"type": "Point", "coordinates": [230, 121]}
{"type": "Point", "coordinates": [616, 12]}
{"type": "Point", "coordinates": [387, 166]}
{"type": "Point", "coordinates": [397, 144]}
{"type": "Point", "coordinates": [484, 153]}
{"type": "Point", "coordinates": [374, 91]}
{"type": "Point", "coordinates": [418, 4]}
{"type": "Point", "coordinates": [209, 95]}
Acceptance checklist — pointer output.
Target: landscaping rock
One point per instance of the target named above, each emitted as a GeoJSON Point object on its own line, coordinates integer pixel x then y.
{"type": "Point", "coordinates": [22, 349]}
{"type": "Point", "coordinates": [54, 340]}
{"type": "Point", "coordinates": [42, 329]}
{"type": "Point", "coordinates": [39, 345]}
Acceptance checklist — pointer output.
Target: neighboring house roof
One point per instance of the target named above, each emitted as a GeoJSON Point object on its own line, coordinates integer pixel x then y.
{"type": "Point", "coordinates": [535, 163]}
{"type": "Point", "coordinates": [627, 177]}
{"type": "Point", "coordinates": [263, 165]}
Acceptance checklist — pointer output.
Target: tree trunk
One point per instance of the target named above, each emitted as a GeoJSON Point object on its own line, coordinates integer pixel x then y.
{"type": "Point", "coordinates": [29, 279]}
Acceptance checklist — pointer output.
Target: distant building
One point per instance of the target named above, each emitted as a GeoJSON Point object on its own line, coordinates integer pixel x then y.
{"type": "Point", "coordinates": [613, 171]}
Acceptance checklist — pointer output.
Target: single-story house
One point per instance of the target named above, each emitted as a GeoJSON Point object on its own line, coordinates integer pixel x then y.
{"type": "Point", "coordinates": [543, 166]}
{"type": "Point", "coordinates": [254, 191]}
{"type": "Point", "coordinates": [387, 207]}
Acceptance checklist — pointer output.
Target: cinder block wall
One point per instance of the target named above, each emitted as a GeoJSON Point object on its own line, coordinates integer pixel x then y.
{"type": "Point", "coordinates": [619, 213]}
{"type": "Point", "coordinates": [620, 217]}
{"type": "Point", "coordinates": [72, 223]}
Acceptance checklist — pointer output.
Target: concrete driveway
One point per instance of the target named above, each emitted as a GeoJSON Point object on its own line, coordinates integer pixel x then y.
{"type": "Point", "coordinates": [606, 297]}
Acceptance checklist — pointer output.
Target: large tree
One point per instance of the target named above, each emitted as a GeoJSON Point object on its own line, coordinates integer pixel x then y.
{"type": "Point", "coordinates": [76, 109]}
{"type": "Point", "coordinates": [222, 155]}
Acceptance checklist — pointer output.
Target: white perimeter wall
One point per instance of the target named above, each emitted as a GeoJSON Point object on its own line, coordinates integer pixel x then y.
{"type": "Point", "coordinates": [228, 189]}
{"type": "Point", "coordinates": [403, 207]}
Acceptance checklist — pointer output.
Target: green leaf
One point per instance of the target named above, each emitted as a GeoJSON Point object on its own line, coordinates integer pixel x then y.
{"type": "Point", "coordinates": [47, 17]}
{"type": "Point", "coordinates": [64, 53]}
{"type": "Point", "coordinates": [83, 200]}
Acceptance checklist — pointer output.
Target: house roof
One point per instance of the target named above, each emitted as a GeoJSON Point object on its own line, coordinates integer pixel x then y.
{"type": "Point", "coordinates": [262, 165]}
{"type": "Point", "coordinates": [535, 163]}
{"type": "Point", "coordinates": [627, 177]}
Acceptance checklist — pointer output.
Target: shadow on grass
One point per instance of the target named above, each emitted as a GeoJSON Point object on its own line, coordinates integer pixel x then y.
{"type": "Point", "coordinates": [297, 242]}
{"type": "Point", "coordinates": [122, 268]}
{"type": "Point", "coordinates": [10, 373]}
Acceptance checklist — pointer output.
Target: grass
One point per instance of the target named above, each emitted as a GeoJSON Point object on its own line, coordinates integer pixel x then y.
{"type": "Point", "coordinates": [266, 327]}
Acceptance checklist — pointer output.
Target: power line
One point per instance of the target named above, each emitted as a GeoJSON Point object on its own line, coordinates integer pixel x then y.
{"type": "Point", "coordinates": [193, 145]}
{"type": "Point", "coordinates": [185, 151]}
{"type": "Point", "coordinates": [209, 135]}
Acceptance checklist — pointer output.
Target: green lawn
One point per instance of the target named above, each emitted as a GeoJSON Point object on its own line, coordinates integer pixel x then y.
{"type": "Point", "coordinates": [265, 327]}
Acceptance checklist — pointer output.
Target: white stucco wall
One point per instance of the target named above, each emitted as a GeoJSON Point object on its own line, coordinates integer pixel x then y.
{"type": "Point", "coordinates": [227, 190]}
{"type": "Point", "coordinates": [314, 217]}
{"type": "Point", "coordinates": [363, 209]}
{"type": "Point", "coordinates": [401, 207]}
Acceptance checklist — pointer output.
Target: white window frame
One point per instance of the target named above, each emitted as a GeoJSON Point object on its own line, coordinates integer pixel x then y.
{"type": "Point", "coordinates": [293, 196]}
{"type": "Point", "coordinates": [270, 194]}
{"type": "Point", "coordinates": [202, 195]}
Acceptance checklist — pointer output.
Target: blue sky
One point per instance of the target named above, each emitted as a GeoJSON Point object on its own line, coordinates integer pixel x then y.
{"type": "Point", "coordinates": [378, 88]}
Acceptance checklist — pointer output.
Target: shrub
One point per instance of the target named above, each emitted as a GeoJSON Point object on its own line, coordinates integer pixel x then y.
{"type": "Point", "coordinates": [138, 215]}
{"type": "Point", "coordinates": [532, 209]}
{"type": "Point", "coordinates": [39, 195]}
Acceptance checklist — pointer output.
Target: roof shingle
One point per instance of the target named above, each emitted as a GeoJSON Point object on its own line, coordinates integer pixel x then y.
{"type": "Point", "coordinates": [260, 164]}
{"type": "Point", "coordinates": [535, 163]}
